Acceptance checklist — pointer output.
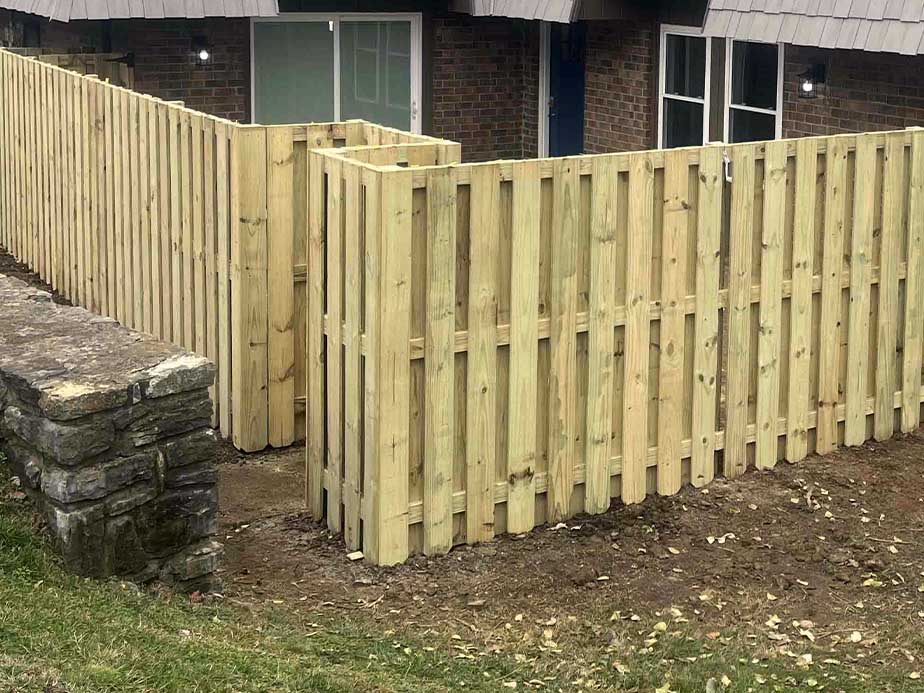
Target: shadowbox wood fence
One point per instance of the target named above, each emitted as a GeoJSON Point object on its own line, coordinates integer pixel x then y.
{"type": "Point", "coordinates": [173, 222]}
{"type": "Point", "coordinates": [494, 346]}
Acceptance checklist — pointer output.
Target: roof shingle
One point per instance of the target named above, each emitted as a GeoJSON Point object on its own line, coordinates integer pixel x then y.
{"type": "Point", "coordinates": [888, 26]}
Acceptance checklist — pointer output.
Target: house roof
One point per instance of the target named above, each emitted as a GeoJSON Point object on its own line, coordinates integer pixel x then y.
{"type": "Point", "coordinates": [547, 10]}
{"type": "Point", "coordinates": [66, 10]}
{"type": "Point", "coordinates": [884, 26]}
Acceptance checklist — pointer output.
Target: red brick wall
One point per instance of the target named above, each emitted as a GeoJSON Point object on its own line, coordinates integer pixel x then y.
{"type": "Point", "coordinates": [166, 67]}
{"type": "Point", "coordinates": [864, 92]}
{"type": "Point", "coordinates": [484, 85]}
{"type": "Point", "coordinates": [620, 86]}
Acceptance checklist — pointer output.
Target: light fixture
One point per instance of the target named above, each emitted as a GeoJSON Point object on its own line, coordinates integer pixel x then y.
{"type": "Point", "coordinates": [812, 81]}
{"type": "Point", "coordinates": [201, 50]}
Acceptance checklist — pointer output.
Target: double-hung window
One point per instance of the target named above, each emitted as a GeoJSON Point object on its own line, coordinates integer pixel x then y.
{"type": "Point", "coordinates": [753, 92]}
{"type": "Point", "coordinates": [714, 88]}
{"type": "Point", "coordinates": [685, 76]}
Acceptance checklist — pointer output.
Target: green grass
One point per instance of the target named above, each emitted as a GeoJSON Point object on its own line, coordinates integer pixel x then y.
{"type": "Point", "coordinates": [62, 633]}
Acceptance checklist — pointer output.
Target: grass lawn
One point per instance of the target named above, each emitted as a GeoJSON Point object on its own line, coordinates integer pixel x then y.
{"type": "Point", "coordinates": [60, 633]}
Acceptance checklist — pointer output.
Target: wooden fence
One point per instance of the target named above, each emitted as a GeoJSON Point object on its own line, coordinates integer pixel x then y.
{"type": "Point", "coordinates": [186, 226]}
{"type": "Point", "coordinates": [528, 340]}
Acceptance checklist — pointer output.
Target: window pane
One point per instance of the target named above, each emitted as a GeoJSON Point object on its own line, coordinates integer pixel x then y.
{"type": "Point", "coordinates": [754, 74]}
{"type": "Point", "coordinates": [375, 72]}
{"type": "Point", "coordinates": [747, 126]}
{"type": "Point", "coordinates": [683, 123]}
{"type": "Point", "coordinates": [686, 66]}
{"type": "Point", "coordinates": [293, 72]}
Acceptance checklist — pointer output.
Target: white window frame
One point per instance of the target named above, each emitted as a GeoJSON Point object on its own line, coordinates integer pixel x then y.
{"type": "Point", "coordinates": [334, 20]}
{"type": "Point", "coordinates": [544, 87]}
{"type": "Point", "coordinates": [776, 113]}
{"type": "Point", "coordinates": [679, 30]}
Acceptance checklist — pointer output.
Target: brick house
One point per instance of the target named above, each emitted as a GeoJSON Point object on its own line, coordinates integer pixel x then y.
{"type": "Point", "coordinates": [512, 78]}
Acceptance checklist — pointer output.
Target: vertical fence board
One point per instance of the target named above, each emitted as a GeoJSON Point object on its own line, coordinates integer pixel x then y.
{"type": "Point", "coordinates": [524, 349]}
{"type": "Point", "coordinates": [187, 216]}
{"type": "Point", "coordinates": [739, 312]}
{"type": "Point", "coordinates": [211, 255]}
{"type": "Point", "coordinates": [334, 360]}
{"type": "Point", "coordinates": [706, 330]}
{"type": "Point", "coordinates": [771, 305]}
{"type": "Point", "coordinates": [223, 218]}
{"type": "Point", "coordinates": [563, 338]}
{"type": "Point", "coordinates": [601, 334]}
{"type": "Point", "coordinates": [831, 271]}
{"type": "Point", "coordinates": [675, 227]}
{"type": "Point", "coordinates": [860, 276]}
{"type": "Point", "coordinates": [248, 289]}
{"type": "Point", "coordinates": [352, 357]}
{"type": "Point", "coordinates": [638, 292]}
{"type": "Point", "coordinates": [390, 462]}
{"type": "Point", "coordinates": [439, 416]}
{"type": "Point", "coordinates": [800, 331]}
{"type": "Point", "coordinates": [198, 237]}
{"type": "Point", "coordinates": [280, 235]}
{"type": "Point", "coordinates": [372, 402]}
{"type": "Point", "coordinates": [482, 354]}
{"type": "Point", "coordinates": [316, 395]}
{"type": "Point", "coordinates": [913, 335]}
{"type": "Point", "coordinates": [891, 239]}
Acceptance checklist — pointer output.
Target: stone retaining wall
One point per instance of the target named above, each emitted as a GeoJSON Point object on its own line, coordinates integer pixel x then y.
{"type": "Point", "coordinates": [109, 433]}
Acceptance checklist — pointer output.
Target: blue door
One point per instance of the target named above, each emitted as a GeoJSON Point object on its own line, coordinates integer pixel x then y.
{"type": "Point", "coordinates": [567, 44]}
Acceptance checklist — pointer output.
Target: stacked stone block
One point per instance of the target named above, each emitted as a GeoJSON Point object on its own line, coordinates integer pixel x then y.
{"type": "Point", "coordinates": [109, 433]}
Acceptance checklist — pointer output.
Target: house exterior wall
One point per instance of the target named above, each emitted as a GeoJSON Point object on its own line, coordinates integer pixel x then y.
{"type": "Point", "coordinates": [621, 87]}
{"type": "Point", "coordinates": [864, 92]}
{"type": "Point", "coordinates": [485, 77]}
{"type": "Point", "coordinates": [166, 67]}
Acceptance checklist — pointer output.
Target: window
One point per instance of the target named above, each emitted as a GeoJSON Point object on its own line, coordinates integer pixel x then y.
{"type": "Point", "coordinates": [684, 86]}
{"type": "Point", "coordinates": [310, 67]}
{"type": "Point", "coordinates": [754, 91]}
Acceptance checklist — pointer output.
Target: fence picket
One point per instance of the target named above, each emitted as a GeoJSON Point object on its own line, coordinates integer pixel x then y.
{"type": "Point", "coordinates": [199, 300]}
{"type": "Point", "coordinates": [248, 288]}
{"type": "Point", "coordinates": [440, 341]}
{"type": "Point", "coordinates": [600, 335]}
{"type": "Point", "coordinates": [482, 354]}
{"type": "Point", "coordinates": [563, 338]}
{"type": "Point", "coordinates": [913, 334]}
{"type": "Point", "coordinates": [860, 276]}
{"type": "Point", "coordinates": [800, 331]}
{"type": "Point", "coordinates": [891, 239]}
{"type": "Point", "coordinates": [831, 272]}
{"type": "Point", "coordinates": [673, 318]}
{"type": "Point", "coordinates": [524, 348]}
{"type": "Point", "coordinates": [638, 292]}
{"type": "Point", "coordinates": [280, 234]}
{"type": "Point", "coordinates": [390, 462]}
{"type": "Point", "coordinates": [771, 306]}
{"type": "Point", "coordinates": [352, 356]}
{"type": "Point", "coordinates": [739, 311]}
{"type": "Point", "coordinates": [706, 331]}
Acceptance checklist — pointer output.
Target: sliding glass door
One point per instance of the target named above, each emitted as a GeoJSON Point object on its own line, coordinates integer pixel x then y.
{"type": "Point", "coordinates": [320, 68]}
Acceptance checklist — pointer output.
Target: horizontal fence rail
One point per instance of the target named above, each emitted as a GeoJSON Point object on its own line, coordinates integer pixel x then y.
{"type": "Point", "coordinates": [173, 222]}
{"type": "Point", "coordinates": [494, 346]}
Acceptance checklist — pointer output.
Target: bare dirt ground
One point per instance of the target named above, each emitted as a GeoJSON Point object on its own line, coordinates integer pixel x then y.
{"type": "Point", "coordinates": [823, 557]}
{"type": "Point", "coordinates": [12, 268]}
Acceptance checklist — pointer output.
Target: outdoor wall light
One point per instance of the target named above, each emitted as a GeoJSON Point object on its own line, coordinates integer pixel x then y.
{"type": "Point", "coordinates": [812, 81]}
{"type": "Point", "coordinates": [201, 50]}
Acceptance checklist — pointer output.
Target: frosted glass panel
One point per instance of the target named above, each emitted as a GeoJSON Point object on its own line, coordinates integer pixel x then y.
{"type": "Point", "coordinates": [375, 72]}
{"type": "Point", "coordinates": [293, 72]}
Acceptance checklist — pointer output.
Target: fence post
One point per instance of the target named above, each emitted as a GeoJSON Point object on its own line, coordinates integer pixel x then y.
{"type": "Point", "coordinates": [248, 288]}
{"type": "Point", "coordinates": [388, 357]}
